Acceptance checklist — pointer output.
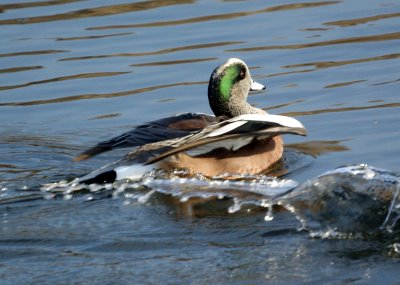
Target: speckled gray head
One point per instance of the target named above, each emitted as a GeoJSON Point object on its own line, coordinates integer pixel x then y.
{"type": "Point", "coordinates": [229, 87]}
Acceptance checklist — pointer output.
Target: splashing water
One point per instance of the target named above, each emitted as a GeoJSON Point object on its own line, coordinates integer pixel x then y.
{"type": "Point", "coordinates": [394, 210]}
{"type": "Point", "coordinates": [347, 202]}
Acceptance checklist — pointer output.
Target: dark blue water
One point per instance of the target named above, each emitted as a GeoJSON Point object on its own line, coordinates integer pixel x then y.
{"type": "Point", "coordinates": [73, 73]}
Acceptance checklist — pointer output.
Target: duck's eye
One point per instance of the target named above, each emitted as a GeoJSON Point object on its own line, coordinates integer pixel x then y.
{"type": "Point", "coordinates": [242, 73]}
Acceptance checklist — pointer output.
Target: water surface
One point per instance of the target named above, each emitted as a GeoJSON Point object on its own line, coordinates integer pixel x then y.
{"type": "Point", "coordinates": [73, 73]}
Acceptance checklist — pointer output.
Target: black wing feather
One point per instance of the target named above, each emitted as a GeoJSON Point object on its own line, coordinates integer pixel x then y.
{"type": "Point", "coordinates": [151, 132]}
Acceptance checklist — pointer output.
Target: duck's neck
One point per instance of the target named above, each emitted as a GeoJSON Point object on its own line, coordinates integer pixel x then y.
{"type": "Point", "coordinates": [244, 108]}
{"type": "Point", "coordinates": [235, 105]}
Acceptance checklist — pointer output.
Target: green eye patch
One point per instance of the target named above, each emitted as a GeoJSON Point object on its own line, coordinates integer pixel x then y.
{"type": "Point", "coordinates": [230, 77]}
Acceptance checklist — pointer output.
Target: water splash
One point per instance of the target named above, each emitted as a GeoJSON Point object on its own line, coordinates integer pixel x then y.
{"type": "Point", "coordinates": [394, 210]}
{"type": "Point", "coordinates": [347, 202]}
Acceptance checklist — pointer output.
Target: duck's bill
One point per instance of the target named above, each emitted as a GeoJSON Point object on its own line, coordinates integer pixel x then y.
{"type": "Point", "coordinates": [255, 86]}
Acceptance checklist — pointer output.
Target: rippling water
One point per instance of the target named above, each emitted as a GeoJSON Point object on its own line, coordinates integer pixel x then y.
{"type": "Point", "coordinates": [75, 72]}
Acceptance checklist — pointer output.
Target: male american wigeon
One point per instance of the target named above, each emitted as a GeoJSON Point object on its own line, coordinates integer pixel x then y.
{"type": "Point", "coordinates": [239, 139]}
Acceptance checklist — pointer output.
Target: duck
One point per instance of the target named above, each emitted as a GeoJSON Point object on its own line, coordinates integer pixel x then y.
{"type": "Point", "coordinates": [237, 139]}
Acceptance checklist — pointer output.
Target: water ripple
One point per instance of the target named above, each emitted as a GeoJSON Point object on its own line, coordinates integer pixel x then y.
{"type": "Point", "coordinates": [317, 148]}
{"type": "Point", "coordinates": [20, 68]}
{"type": "Point", "coordinates": [13, 6]}
{"type": "Point", "coordinates": [347, 109]}
{"type": "Point", "coordinates": [64, 78]}
{"type": "Point", "coordinates": [218, 17]}
{"type": "Point", "coordinates": [92, 37]}
{"type": "Point", "coordinates": [157, 52]}
{"type": "Point", "coordinates": [96, 12]}
{"type": "Point", "coordinates": [333, 63]}
{"type": "Point", "coordinates": [34, 52]}
{"type": "Point", "coordinates": [98, 96]}
{"type": "Point", "coordinates": [364, 20]}
{"type": "Point", "coordinates": [350, 40]}
{"type": "Point", "coordinates": [342, 84]}
{"type": "Point", "coordinates": [173, 62]}
{"type": "Point", "coordinates": [328, 64]}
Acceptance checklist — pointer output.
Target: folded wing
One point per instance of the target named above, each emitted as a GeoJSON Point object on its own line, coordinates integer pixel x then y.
{"type": "Point", "coordinates": [231, 134]}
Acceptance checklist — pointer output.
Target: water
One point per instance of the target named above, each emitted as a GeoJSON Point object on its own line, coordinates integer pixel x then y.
{"type": "Point", "coordinates": [73, 73]}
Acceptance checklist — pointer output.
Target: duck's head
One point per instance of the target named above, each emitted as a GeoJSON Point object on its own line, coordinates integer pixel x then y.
{"type": "Point", "coordinates": [228, 88]}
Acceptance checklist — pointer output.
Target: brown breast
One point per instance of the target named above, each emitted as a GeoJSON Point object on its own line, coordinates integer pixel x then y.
{"type": "Point", "coordinates": [253, 158]}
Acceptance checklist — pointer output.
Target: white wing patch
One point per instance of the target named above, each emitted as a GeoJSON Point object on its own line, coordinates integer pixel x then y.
{"type": "Point", "coordinates": [283, 121]}
{"type": "Point", "coordinates": [229, 144]}
{"type": "Point", "coordinates": [234, 123]}
{"type": "Point", "coordinates": [227, 128]}
{"type": "Point", "coordinates": [223, 134]}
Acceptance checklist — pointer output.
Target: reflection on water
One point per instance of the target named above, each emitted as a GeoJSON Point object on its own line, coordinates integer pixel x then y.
{"type": "Point", "coordinates": [11, 6]}
{"type": "Point", "coordinates": [227, 16]}
{"type": "Point", "coordinates": [328, 64]}
{"type": "Point", "coordinates": [35, 52]}
{"type": "Point", "coordinates": [19, 69]}
{"type": "Point", "coordinates": [107, 116]}
{"type": "Point", "coordinates": [157, 52]}
{"type": "Point", "coordinates": [183, 61]}
{"type": "Point", "coordinates": [91, 37]}
{"type": "Point", "coordinates": [97, 96]}
{"type": "Point", "coordinates": [94, 12]}
{"type": "Point", "coordinates": [363, 39]}
{"type": "Point", "coordinates": [66, 83]}
{"type": "Point", "coordinates": [341, 84]}
{"type": "Point", "coordinates": [316, 148]}
{"type": "Point", "coordinates": [77, 76]}
{"type": "Point", "coordinates": [386, 82]}
{"type": "Point", "coordinates": [353, 22]}
{"type": "Point", "coordinates": [347, 109]}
